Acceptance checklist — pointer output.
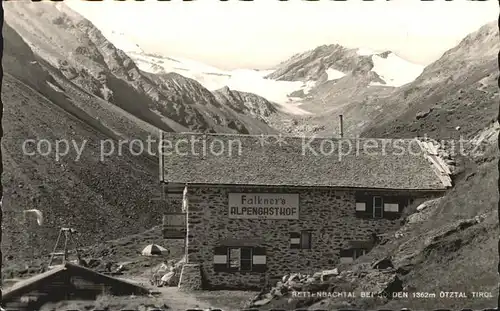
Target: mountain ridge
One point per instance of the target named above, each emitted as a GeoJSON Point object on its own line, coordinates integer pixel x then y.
{"type": "Point", "coordinates": [84, 55]}
{"type": "Point", "coordinates": [447, 92]}
{"type": "Point", "coordinates": [313, 64]}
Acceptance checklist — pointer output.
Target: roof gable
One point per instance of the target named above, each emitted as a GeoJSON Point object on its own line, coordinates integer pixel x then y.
{"type": "Point", "coordinates": [298, 161]}
{"type": "Point", "coordinates": [119, 287]}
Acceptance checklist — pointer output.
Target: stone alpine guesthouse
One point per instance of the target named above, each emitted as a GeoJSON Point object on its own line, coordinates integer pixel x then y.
{"type": "Point", "coordinates": [258, 207]}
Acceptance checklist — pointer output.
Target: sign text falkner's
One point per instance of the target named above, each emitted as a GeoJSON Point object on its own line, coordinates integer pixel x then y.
{"type": "Point", "coordinates": [264, 205]}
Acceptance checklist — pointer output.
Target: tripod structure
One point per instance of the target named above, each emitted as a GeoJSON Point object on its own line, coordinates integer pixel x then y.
{"type": "Point", "coordinates": [68, 232]}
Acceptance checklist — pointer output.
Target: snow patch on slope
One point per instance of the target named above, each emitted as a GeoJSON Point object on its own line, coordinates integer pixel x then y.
{"type": "Point", "coordinates": [192, 65]}
{"type": "Point", "coordinates": [334, 74]}
{"type": "Point", "coordinates": [210, 77]}
{"type": "Point", "coordinates": [394, 70]}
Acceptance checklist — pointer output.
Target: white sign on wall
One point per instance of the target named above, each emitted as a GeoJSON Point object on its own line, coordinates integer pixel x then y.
{"type": "Point", "coordinates": [264, 205]}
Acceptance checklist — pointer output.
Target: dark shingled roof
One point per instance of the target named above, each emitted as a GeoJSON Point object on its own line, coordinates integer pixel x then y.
{"type": "Point", "coordinates": [42, 282]}
{"type": "Point", "coordinates": [298, 161]}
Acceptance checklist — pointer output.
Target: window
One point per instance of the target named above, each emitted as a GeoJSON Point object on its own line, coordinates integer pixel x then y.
{"type": "Point", "coordinates": [346, 256]}
{"type": "Point", "coordinates": [378, 207]}
{"type": "Point", "coordinates": [360, 207]}
{"type": "Point", "coordinates": [302, 240]}
{"type": "Point", "coordinates": [391, 207]}
{"type": "Point", "coordinates": [240, 259]}
{"type": "Point", "coordinates": [305, 240]}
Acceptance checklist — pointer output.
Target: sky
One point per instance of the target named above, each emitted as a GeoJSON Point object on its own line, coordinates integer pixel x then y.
{"type": "Point", "coordinates": [263, 33]}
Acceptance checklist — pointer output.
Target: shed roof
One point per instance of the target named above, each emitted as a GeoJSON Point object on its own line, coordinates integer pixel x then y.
{"type": "Point", "coordinates": [35, 282]}
{"type": "Point", "coordinates": [400, 164]}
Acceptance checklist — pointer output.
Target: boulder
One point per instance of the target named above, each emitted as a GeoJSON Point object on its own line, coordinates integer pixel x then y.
{"type": "Point", "coordinates": [415, 218]}
{"type": "Point", "coordinates": [328, 274]}
{"type": "Point", "coordinates": [383, 264]}
{"type": "Point", "coordinates": [262, 301]}
{"type": "Point", "coordinates": [93, 263]}
{"type": "Point", "coordinates": [293, 277]}
{"type": "Point", "coordinates": [292, 285]}
{"type": "Point", "coordinates": [422, 114]}
{"type": "Point", "coordinates": [285, 278]}
{"type": "Point", "coordinates": [278, 291]}
{"type": "Point", "coordinates": [311, 280]}
{"type": "Point", "coordinates": [379, 283]}
{"type": "Point", "coordinates": [317, 275]}
{"type": "Point", "coordinates": [421, 207]}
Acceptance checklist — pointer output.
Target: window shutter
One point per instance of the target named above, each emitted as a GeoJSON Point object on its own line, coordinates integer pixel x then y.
{"type": "Point", "coordinates": [360, 206]}
{"type": "Point", "coordinates": [294, 240]}
{"type": "Point", "coordinates": [305, 240]}
{"type": "Point", "coordinates": [259, 262]}
{"type": "Point", "coordinates": [363, 205]}
{"type": "Point", "coordinates": [220, 259]}
{"type": "Point", "coordinates": [391, 207]}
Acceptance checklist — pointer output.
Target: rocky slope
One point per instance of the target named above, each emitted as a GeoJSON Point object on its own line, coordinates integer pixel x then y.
{"type": "Point", "coordinates": [101, 199]}
{"type": "Point", "coordinates": [223, 109]}
{"type": "Point", "coordinates": [76, 48]}
{"type": "Point", "coordinates": [313, 65]}
{"type": "Point", "coordinates": [455, 96]}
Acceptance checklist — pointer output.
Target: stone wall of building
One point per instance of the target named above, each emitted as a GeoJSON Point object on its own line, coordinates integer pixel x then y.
{"type": "Point", "coordinates": [328, 214]}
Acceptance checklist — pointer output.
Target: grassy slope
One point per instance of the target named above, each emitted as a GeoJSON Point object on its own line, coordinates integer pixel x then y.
{"type": "Point", "coordinates": [465, 260]}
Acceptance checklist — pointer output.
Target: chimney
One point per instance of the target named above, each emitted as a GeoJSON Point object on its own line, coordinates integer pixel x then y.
{"type": "Point", "coordinates": [341, 126]}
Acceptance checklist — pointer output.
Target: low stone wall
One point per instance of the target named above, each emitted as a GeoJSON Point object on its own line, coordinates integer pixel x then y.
{"type": "Point", "coordinates": [190, 277]}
